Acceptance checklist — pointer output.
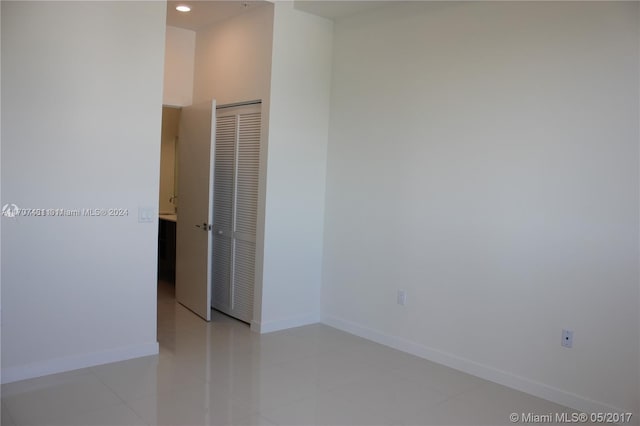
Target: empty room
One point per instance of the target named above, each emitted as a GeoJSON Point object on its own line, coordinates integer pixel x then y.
{"type": "Point", "coordinates": [320, 212]}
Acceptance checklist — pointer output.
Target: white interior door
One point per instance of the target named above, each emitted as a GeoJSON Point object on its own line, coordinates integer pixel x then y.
{"type": "Point", "coordinates": [195, 185]}
{"type": "Point", "coordinates": [235, 204]}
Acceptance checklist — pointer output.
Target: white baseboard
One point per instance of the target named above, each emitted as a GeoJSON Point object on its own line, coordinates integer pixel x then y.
{"type": "Point", "coordinates": [283, 324]}
{"type": "Point", "coordinates": [523, 384]}
{"type": "Point", "coordinates": [60, 365]}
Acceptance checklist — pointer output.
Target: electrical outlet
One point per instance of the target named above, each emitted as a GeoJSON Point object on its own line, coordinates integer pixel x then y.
{"type": "Point", "coordinates": [567, 338]}
{"type": "Point", "coordinates": [402, 297]}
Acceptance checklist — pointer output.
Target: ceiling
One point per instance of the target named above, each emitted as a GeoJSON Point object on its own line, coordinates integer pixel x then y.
{"type": "Point", "coordinates": [207, 12]}
{"type": "Point", "coordinates": [204, 13]}
{"type": "Point", "coordinates": [335, 9]}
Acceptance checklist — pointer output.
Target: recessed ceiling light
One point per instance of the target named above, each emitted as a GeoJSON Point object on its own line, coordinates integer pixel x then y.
{"type": "Point", "coordinates": [183, 8]}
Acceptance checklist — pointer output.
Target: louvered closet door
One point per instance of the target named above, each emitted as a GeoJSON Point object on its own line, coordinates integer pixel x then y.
{"type": "Point", "coordinates": [223, 199]}
{"type": "Point", "coordinates": [236, 197]}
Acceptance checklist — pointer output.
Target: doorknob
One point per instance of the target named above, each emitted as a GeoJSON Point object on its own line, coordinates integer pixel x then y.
{"type": "Point", "coordinates": [204, 226]}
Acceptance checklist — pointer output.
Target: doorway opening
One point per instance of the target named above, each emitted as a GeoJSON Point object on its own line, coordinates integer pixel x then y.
{"type": "Point", "coordinates": [230, 62]}
{"type": "Point", "coordinates": [168, 195]}
{"type": "Point", "coordinates": [207, 248]}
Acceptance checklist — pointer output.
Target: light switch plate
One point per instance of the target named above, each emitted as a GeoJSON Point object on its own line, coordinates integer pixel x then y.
{"type": "Point", "coordinates": [146, 214]}
{"type": "Point", "coordinates": [402, 297]}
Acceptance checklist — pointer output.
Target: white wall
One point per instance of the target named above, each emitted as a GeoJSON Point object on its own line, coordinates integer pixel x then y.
{"type": "Point", "coordinates": [484, 158]}
{"type": "Point", "coordinates": [80, 129]}
{"type": "Point", "coordinates": [298, 135]}
{"type": "Point", "coordinates": [233, 58]}
{"type": "Point", "coordinates": [180, 45]}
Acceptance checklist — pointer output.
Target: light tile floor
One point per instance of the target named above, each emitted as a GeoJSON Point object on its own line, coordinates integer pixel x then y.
{"type": "Point", "coordinates": [222, 374]}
